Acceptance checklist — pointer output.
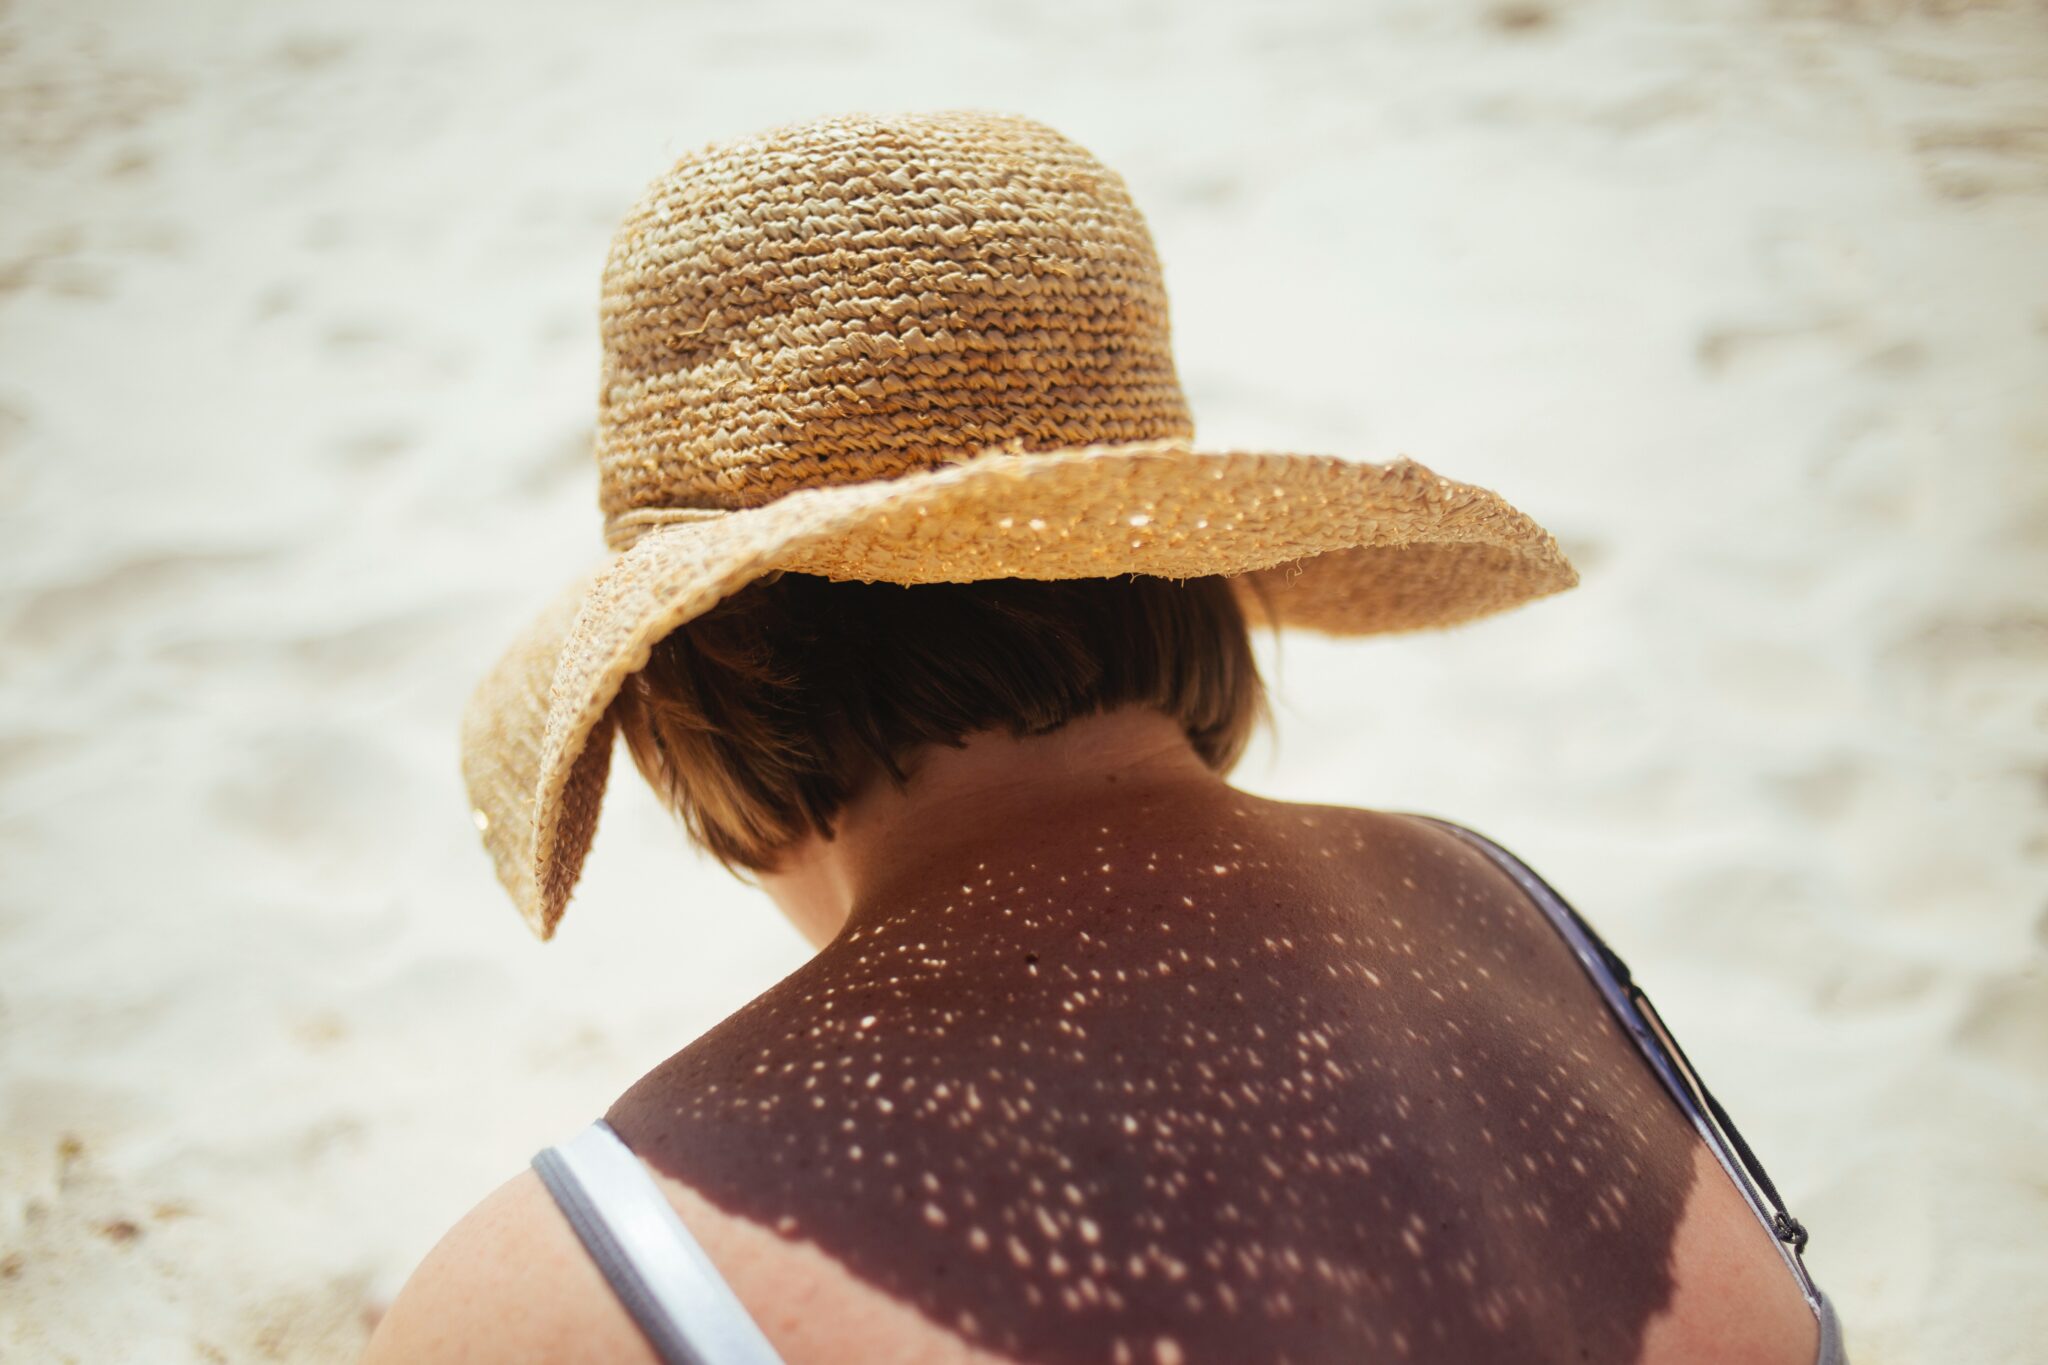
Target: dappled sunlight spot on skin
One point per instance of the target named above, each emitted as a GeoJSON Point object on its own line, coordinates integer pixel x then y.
{"type": "Point", "coordinates": [1102, 1093]}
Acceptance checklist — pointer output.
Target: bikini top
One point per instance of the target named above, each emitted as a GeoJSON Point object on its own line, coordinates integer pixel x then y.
{"type": "Point", "coordinates": [691, 1317]}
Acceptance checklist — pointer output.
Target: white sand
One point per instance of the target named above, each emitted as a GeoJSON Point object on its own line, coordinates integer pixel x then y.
{"type": "Point", "coordinates": [298, 354]}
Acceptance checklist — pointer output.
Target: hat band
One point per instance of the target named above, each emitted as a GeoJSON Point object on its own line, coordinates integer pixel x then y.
{"type": "Point", "coordinates": [622, 530]}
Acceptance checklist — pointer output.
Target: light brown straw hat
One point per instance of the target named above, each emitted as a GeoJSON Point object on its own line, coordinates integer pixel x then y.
{"type": "Point", "coordinates": [921, 348]}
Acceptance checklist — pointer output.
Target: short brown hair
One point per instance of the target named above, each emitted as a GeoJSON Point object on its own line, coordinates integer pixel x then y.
{"type": "Point", "coordinates": [758, 720]}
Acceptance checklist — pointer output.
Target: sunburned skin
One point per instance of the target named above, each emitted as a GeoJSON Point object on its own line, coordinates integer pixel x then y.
{"type": "Point", "coordinates": [1236, 1081]}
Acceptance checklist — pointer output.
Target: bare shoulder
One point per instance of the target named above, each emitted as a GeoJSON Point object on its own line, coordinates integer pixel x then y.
{"type": "Point", "coordinates": [1733, 1298]}
{"type": "Point", "coordinates": [511, 1284]}
{"type": "Point", "coordinates": [508, 1283]}
{"type": "Point", "coordinates": [1730, 1296]}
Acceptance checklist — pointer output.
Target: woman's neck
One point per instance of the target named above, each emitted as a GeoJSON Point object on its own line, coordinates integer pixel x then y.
{"type": "Point", "coordinates": [994, 798]}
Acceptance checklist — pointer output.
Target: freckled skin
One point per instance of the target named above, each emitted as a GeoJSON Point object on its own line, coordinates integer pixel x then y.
{"type": "Point", "coordinates": [1262, 1082]}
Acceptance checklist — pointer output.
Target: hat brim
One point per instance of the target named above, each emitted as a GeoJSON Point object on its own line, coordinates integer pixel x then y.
{"type": "Point", "coordinates": [1334, 545]}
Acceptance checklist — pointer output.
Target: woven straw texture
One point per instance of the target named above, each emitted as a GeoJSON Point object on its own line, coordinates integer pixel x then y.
{"type": "Point", "coordinates": [921, 348]}
{"type": "Point", "coordinates": [859, 298]}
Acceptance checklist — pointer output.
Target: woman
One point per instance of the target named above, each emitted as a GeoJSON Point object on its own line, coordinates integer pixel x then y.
{"type": "Point", "coordinates": [927, 615]}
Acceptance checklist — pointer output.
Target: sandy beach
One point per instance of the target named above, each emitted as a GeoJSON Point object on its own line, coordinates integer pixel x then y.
{"type": "Point", "coordinates": [298, 365]}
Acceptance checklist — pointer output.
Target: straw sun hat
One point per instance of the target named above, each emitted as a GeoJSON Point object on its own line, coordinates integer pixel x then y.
{"type": "Point", "coordinates": [921, 348]}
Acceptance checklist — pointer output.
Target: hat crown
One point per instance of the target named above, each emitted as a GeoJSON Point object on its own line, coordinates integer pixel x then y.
{"type": "Point", "coordinates": [859, 297]}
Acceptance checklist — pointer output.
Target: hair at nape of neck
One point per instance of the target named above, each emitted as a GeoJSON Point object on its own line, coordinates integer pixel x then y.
{"type": "Point", "coordinates": [758, 720]}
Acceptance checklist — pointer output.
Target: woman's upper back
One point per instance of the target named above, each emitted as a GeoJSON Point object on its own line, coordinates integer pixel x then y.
{"type": "Point", "coordinates": [1278, 1083]}
{"type": "Point", "coordinates": [1289, 1083]}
